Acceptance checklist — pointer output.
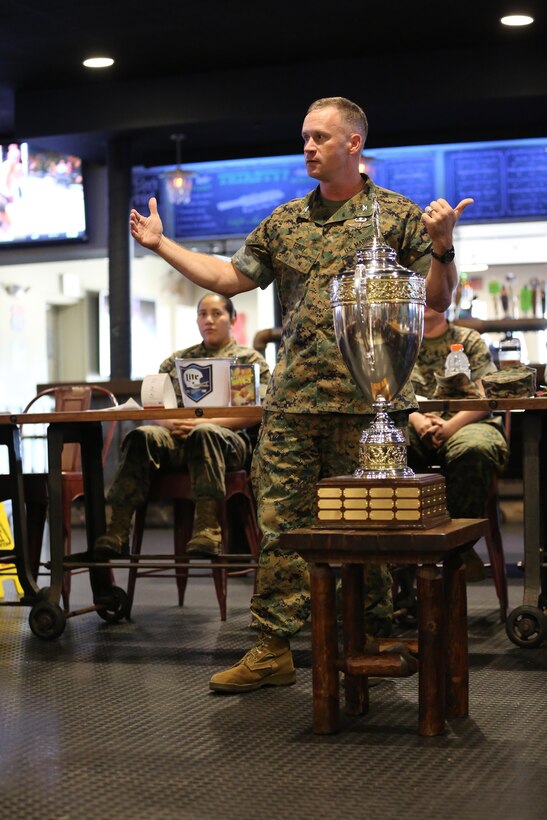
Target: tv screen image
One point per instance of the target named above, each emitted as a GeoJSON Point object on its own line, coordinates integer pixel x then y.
{"type": "Point", "coordinates": [41, 195]}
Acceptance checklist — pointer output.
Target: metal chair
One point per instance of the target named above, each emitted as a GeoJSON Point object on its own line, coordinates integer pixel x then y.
{"type": "Point", "coordinates": [176, 488]}
{"type": "Point", "coordinates": [65, 398]}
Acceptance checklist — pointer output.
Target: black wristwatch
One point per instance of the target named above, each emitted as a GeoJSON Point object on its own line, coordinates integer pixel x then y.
{"type": "Point", "coordinates": [446, 257]}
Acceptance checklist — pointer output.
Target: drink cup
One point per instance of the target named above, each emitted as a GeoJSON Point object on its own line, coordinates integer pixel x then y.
{"type": "Point", "coordinates": [509, 353]}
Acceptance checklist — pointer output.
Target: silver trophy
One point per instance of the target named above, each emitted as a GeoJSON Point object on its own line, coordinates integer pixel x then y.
{"type": "Point", "coordinates": [378, 312]}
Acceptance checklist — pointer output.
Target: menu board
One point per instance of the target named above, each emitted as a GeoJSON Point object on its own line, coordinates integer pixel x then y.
{"type": "Point", "coordinates": [507, 180]}
{"type": "Point", "coordinates": [412, 174]}
{"type": "Point", "coordinates": [506, 183]}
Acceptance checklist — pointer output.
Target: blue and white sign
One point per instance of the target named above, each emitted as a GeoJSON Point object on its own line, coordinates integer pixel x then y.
{"type": "Point", "coordinates": [204, 382]}
{"type": "Point", "coordinates": [197, 381]}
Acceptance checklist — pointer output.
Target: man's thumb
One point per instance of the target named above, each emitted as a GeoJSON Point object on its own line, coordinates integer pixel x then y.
{"type": "Point", "coordinates": [461, 206]}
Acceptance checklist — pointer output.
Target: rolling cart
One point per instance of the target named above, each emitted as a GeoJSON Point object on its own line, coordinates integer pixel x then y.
{"type": "Point", "coordinates": [526, 625]}
{"type": "Point", "coordinates": [47, 619]}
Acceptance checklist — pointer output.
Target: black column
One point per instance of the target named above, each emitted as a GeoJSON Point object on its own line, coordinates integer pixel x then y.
{"type": "Point", "coordinates": [119, 267]}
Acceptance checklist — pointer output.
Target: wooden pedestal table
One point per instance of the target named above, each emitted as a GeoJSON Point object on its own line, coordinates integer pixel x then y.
{"type": "Point", "coordinates": [442, 658]}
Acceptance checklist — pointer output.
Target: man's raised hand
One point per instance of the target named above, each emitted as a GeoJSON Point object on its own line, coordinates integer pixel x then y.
{"type": "Point", "coordinates": [147, 230]}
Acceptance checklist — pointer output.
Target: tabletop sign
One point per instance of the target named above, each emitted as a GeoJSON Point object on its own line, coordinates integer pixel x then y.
{"type": "Point", "coordinates": [157, 391]}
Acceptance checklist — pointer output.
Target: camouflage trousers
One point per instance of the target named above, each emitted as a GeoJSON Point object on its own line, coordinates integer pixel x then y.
{"type": "Point", "coordinates": [469, 460]}
{"type": "Point", "coordinates": [293, 452]}
{"type": "Point", "coordinates": [206, 453]}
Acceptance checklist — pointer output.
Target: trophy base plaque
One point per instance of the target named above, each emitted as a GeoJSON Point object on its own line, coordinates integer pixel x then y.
{"type": "Point", "coordinates": [383, 503]}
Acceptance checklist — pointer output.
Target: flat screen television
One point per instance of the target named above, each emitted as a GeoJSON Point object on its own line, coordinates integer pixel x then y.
{"type": "Point", "coordinates": [41, 196]}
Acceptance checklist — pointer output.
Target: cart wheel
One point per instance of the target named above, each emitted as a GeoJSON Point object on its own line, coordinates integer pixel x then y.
{"type": "Point", "coordinates": [47, 620]}
{"type": "Point", "coordinates": [118, 609]}
{"type": "Point", "coordinates": [42, 594]}
{"type": "Point", "coordinates": [526, 626]}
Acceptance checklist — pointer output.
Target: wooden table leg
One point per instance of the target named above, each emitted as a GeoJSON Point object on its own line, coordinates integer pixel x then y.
{"type": "Point", "coordinates": [457, 657]}
{"type": "Point", "coordinates": [431, 683]}
{"type": "Point", "coordinates": [326, 705]}
{"type": "Point", "coordinates": [353, 622]}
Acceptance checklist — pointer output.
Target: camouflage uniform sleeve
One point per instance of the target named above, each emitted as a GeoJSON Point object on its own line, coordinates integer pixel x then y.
{"type": "Point", "coordinates": [254, 258]}
{"type": "Point", "coordinates": [167, 365]}
{"type": "Point", "coordinates": [404, 218]}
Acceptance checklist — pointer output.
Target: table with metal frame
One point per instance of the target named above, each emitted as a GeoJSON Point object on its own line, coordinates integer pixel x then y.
{"type": "Point", "coordinates": [47, 619]}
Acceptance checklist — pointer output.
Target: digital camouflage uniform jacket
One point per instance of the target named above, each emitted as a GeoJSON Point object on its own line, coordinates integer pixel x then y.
{"type": "Point", "coordinates": [301, 253]}
{"type": "Point", "coordinates": [245, 355]}
{"type": "Point", "coordinates": [433, 353]}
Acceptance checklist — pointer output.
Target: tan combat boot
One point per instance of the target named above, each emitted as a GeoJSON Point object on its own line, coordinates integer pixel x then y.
{"type": "Point", "coordinates": [268, 663]}
{"type": "Point", "coordinates": [206, 535]}
{"type": "Point", "coordinates": [115, 541]}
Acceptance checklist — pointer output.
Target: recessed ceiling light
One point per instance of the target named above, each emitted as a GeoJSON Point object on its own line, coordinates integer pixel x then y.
{"type": "Point", "coordinates": [517, 20]}
{"type": "Point", "coordinates": [98, 62]}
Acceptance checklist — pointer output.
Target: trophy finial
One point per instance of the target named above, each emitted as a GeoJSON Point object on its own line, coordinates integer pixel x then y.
{"type": "Point", "coordinates": [376, 254]}
{"type": "Point", "coordinates": [376, 220]}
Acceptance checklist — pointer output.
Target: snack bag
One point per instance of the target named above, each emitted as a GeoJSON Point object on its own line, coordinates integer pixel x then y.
{"type": "Point", "coordinates": [244, 384]}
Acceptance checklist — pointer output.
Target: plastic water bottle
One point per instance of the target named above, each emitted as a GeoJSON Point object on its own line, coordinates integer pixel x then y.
{"type": "Point", "coordinates": [457, 362]}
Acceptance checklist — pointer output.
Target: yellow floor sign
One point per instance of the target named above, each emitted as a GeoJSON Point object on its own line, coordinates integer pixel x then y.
{"type": "Point", "coordinates": [7, 571]}
{"type": "Point", "coordinates": [6, 538]}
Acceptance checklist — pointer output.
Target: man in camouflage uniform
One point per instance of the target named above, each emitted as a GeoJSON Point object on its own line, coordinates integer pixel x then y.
{"type": "Point", "coordinates": [466, 443]}
{"type": "Point", "coordinates": [206, 448]}
{"type": "Point", "coordinates": [314, 413]}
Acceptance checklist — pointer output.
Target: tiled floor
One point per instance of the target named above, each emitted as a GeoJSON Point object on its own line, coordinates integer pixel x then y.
{"type": "Point", "coordinates": [116, 721]}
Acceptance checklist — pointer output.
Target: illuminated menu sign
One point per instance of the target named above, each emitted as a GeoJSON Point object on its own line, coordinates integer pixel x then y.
{"type": "Point", "coordinates": [230, 199]}
{"type": "Point", "coordinates": [508, 181]}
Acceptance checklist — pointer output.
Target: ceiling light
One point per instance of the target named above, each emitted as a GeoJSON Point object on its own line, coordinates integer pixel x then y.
{"type": "Point", "coordinates": [179, 182]}
{"type": "Point", "coordinates": [98, 62]}
{"type": "Point", "coordinates": [517, 20]}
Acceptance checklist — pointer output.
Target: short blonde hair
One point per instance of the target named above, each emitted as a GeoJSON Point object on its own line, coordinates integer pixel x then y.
{"type": "Point", "coordinates": [352, 113]}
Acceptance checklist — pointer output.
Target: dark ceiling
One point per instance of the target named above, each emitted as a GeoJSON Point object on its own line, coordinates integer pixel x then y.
{"type": "Point", "coordinates": [235, 77]}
